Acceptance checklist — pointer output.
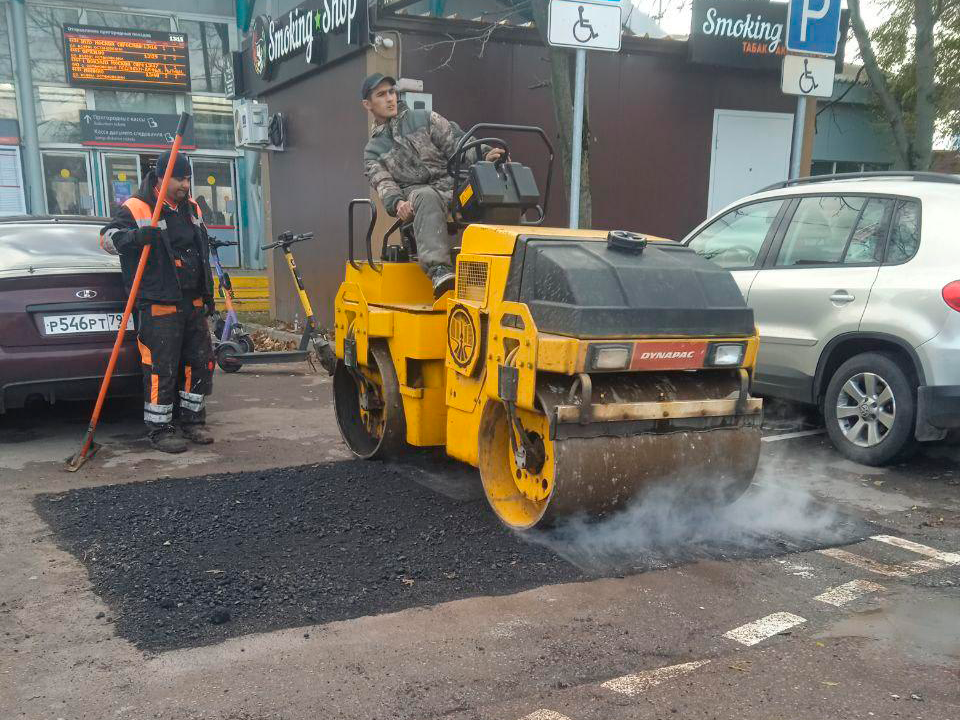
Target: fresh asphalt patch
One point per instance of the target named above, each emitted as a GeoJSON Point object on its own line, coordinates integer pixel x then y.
{"type": "Point", "coordinates": [190, 562]}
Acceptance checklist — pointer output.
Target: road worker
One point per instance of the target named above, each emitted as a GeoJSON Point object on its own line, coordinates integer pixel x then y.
{"type": "Point", "coordinates": [405, 161]}
{"type": "Point", "coordinates": [173, 302]}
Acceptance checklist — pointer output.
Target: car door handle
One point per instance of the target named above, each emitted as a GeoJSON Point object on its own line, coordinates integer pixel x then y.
{"type": "Point", "coordinates": [842, 297]}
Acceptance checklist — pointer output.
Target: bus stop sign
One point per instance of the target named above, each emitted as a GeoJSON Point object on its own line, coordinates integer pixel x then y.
{"type": "Point", "coordinates": [813, 26]}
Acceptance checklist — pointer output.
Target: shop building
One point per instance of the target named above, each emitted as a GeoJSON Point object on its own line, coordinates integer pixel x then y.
{"type": "Point", "coordinates": [678, 128]}
{"type": "Point", "coordinates": [77, 139]}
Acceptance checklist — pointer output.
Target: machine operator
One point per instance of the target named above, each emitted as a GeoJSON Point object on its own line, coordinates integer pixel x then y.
{"type": "Point", "coordinates": [405, 161]}
{"type": "Point", "coordinates": [176, 295]}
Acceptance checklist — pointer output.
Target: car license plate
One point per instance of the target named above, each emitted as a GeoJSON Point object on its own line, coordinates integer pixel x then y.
{"type": "Point", "coordinates": [85, 323]}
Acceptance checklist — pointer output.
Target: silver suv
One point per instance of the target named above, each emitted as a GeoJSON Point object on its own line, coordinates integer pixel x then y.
{"type": "Point", "coordinates": [855, 285]}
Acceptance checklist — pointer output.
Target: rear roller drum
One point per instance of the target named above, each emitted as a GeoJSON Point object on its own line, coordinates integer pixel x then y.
{"type": "Point", "coordinates": [369, 407]}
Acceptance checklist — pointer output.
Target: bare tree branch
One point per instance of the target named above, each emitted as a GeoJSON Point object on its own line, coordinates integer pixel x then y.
{"type": "Point", "coordinates": [881, 88]}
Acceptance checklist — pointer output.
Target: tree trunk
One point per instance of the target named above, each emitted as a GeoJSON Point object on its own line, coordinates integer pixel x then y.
{"type": "Point", "coordinates": [562, 79]}
{"type": "Point", "coordinates": [925, 110]}
{"type": "Point", "coordinates": [880, 87]}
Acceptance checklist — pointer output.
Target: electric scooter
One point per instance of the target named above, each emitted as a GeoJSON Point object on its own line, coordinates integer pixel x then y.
{"type": "Point", "coordinates": [234, 347]}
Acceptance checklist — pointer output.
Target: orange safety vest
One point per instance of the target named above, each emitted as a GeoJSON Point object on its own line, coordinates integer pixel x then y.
{"type": "Point", "coordinates": [143, 215]}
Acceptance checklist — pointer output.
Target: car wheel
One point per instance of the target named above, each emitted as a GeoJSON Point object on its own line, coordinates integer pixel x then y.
{"type": "Point", "coordinates": [869, 409]}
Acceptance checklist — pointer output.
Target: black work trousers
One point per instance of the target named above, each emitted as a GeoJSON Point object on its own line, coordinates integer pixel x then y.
{"type": "Point", "coordinates": [177, 359]}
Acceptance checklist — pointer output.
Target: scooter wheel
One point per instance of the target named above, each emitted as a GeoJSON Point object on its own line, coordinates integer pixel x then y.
{"type": "Point", "coordinates": [226, 357]}
{"type": "Point", "coordinates": [246, 342]}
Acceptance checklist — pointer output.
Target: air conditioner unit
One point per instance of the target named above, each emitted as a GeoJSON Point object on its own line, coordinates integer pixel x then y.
{"type": "Point", "coordinates": [250, 120]}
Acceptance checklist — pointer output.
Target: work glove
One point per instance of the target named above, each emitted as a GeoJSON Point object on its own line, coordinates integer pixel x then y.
{"type": "Point", "coordinates": [148, 235]}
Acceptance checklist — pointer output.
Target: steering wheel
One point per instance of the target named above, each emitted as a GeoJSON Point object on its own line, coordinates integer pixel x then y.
{"type": "Point", "coordinates": [749, 254]}
{"type": "Point", "coordinates": [457, 164]}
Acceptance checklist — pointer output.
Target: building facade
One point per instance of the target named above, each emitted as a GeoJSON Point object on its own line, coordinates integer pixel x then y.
{"type": "Point", "coordinates": [76, 143]}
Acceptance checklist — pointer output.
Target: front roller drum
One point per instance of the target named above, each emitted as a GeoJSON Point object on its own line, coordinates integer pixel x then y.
{"type": "Point", "coordinates": [369, 407]}
{"type": "Point", "coordinates": [600, 475]}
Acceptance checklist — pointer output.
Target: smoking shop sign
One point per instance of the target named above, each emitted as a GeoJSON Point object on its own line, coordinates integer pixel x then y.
{"type": "Point", "coordinates": [738, 33]}
{"type": "Point", "coordinates": [313, 34]}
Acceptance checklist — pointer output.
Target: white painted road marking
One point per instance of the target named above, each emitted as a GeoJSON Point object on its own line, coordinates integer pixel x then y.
{"type": "Point", "coordinates": [947, 557]}
{"type": "Point", "coordinates": [899, 571]}
{"type": "Point", "coordinates": [643, 681]}
{"type": "Point", "coordinates": [760, 630]}
{"type": "Point", "coordinates": [544, 715]}
{"type": "Point", "coordinates": [791, 436]}
{"type": "Point", "coordinates": [848, 592]}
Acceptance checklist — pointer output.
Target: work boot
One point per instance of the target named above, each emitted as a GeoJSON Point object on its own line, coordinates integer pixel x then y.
{"type": "Point", "coordinates": [165, 439]}
{"type": "Point", "coordinates": [442, 278]}
{"type": "Point", "coordinates": [197, 433]}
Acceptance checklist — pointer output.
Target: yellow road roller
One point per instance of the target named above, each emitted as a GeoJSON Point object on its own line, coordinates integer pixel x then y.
{"type": "Point", "coordinates": [577, 369]}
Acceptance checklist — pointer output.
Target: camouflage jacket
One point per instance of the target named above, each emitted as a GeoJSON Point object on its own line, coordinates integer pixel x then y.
{"type": "Point", "coordinates": [409, 150]}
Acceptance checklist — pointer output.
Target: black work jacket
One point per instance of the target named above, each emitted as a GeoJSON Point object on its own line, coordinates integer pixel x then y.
{"type": "Point", "coordinates": [160, 282]}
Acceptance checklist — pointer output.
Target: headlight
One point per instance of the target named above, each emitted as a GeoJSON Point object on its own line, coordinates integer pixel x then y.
{"type": "Point", "coordinates": [726, 355]}
{"type": "Point", "coordinates": [610, 357]}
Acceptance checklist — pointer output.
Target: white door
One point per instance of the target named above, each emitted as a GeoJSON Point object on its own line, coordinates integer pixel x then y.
{"type": "Point", "coordinates": [750, 150]}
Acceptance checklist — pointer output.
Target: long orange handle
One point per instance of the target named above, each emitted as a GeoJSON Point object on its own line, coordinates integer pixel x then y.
{"type": "Point", "coordinates": [134, 288]}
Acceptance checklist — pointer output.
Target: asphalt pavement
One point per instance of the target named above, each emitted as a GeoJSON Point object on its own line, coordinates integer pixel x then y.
{"type": "Point", "coordinates": [269, 576]}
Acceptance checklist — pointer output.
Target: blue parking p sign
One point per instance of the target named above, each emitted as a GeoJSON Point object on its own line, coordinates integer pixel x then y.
{"type": "Point", "coordinates": [813, 26]}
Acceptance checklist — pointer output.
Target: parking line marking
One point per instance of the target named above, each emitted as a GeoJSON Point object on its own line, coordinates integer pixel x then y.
{"type": "Point", "coordinates": [792, 435]}
{"type": "Point", "coordinates": [641, 682]}
{"type": "Point", "coordinates": [899, 571]}
{"type": "Point", "coordinates": [544, 715]}
{"type": "Point", "coordinates": [765, 627]}
{"type": "Point", "coordinates": [947, 557]}
{"type": "Point", "coordinates": [848, 592]}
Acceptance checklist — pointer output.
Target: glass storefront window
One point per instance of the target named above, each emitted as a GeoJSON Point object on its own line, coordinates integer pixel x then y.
{"type": "Point", "coordinates": [45, 36]}
{"type": "Point", "coordinates": [122, 175]}
{"type": "Point", "coordinates": [128, 101]}
{"type": "Point", "coordinates": [58, 113]}
{"type": "Point", "coordinates": [126, 20]}
{"type": "Point", "coordinates": [67, 181]}
{"type": "Point", "coordinates": [213, 122]}
{"type": "Point", "coordinates": [209, 54]}
{"type": "Point", "coordinates": [213, 191]}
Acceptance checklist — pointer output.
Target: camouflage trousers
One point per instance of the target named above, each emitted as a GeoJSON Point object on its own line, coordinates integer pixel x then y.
{"type": "Point", "coordinates": [430, 226]}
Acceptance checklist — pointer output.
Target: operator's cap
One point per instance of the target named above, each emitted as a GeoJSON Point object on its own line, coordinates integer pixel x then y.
{"type": "Point", "coordinates": [181, 165]}
{"type": "Point", "coordinates": [372, 81]}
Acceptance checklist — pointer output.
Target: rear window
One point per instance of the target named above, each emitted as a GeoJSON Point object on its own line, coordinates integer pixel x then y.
{"type": "Point", "coordinates": [905, 233]}
{"type": "Point", "coordinates": [52, 247]}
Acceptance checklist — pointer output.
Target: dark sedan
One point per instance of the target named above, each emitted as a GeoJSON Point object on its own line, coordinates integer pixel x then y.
{"type": "Point", "coordinates": [61, 302]}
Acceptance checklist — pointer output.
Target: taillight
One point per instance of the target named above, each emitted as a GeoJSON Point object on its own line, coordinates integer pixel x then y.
{"type": "Point", "coordinates": [951, 295]}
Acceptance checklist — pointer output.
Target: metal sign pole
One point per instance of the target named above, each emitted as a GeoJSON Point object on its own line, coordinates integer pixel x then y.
{"type": "Point", "coordinates": [799, 120]}
{"type": "Point", "coordinates": [577, 144]}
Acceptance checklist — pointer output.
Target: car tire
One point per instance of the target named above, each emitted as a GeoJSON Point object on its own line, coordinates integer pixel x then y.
{"type": "Point", "coordinates": [869, 409]}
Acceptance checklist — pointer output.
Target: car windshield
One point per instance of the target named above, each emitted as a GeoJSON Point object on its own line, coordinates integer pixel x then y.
{"type": "Point", "coordinates": [34, 247]}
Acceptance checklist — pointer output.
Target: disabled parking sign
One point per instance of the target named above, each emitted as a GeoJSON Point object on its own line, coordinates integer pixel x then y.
{"type": "Point", "coordinates": [587, 25]}
{"type": "Point", "coordinates": [813, 26]}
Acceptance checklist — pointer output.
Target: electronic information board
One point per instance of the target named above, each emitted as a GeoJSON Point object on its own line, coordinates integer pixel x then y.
{"type": "Point", "coordinates": [126, 59]}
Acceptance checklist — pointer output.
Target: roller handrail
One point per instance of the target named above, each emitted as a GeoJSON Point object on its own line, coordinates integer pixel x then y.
{"type": "Point", "coordinates": [367, 241]}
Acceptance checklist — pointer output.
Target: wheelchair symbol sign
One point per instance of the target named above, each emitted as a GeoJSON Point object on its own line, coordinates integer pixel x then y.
{"type": "Point", "coordinates": [810, 76]}
{"type": "Point", "coordinates": [584, 25]}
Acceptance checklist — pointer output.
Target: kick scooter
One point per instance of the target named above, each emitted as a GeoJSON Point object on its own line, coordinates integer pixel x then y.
{"type": "Point", "coordinates": [234, 347]}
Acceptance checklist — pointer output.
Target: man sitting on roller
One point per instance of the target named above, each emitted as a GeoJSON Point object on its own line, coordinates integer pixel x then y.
{"type": "Point", "coordinates": [405, 161]}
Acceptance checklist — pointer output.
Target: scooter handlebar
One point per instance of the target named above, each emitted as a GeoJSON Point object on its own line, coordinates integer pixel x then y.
{"type": "Point", "coordinates": [286, 239]}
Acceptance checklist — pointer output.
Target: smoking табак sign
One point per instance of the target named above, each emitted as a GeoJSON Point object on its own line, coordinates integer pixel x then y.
{"type": "Point", "coordinates": [738, 33]}
{"type": "Point", "coordinates": [313, 34]}
{"type": "Point", "coordinates": [743, 33]}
